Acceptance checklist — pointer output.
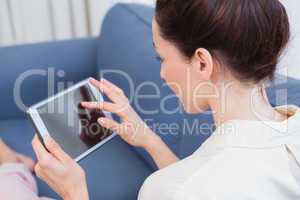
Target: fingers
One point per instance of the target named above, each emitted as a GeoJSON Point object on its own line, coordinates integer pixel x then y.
{"type": "Point", "coordinates": [40, 172]}
{"type": "Point", "coordinates": [27, 161]}
{"type": "Point", "coordinates": [110, 107]}
{"type": "Point", "coordinates": [39, 149]}
{"type": "Point", "coordinates": [111, 125]}
{"type": "Point", "coordinates": [43, 156]}
{"type": "Point", "coordinates": [112, 86]}
{"type": "Point", "coordinates": [109, 84]}
{"type": "Point", "coordinates": [55, 149]}
{"type": "Point", "coordinates": [114, 93]}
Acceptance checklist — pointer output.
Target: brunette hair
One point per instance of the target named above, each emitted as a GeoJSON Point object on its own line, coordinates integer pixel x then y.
{"type": "Point", "coordinates": [248, 35]}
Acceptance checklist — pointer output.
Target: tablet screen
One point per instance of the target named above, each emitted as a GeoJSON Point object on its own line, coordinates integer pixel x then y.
{"type": "Point", "coordinates": [73, 127]}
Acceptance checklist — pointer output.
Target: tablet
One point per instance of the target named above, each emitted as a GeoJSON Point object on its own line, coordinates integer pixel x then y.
{"type": "Point", "coordinates": [73, 127]}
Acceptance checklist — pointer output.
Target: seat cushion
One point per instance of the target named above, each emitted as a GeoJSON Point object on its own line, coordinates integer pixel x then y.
{"type": "Point", "coordinates": [115, 171]}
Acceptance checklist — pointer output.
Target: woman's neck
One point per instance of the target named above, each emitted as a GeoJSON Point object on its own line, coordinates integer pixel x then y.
{"type": "Point", "coordinates": [238, 102]}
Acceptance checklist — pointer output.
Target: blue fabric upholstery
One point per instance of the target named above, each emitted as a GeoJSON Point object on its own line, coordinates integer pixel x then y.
{"type": "Point", "coordinates": [115, 171]}
{"type": "Point", "coordinates": [284, 91]}
{"type": "Point", "coordinates": [126, 45]}
{"type": "Point", "coordinates": [77, 58]}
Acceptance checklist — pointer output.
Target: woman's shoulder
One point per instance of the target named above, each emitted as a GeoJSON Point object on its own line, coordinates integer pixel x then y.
{"type": "Point", "coordinates": [169, 181]}
{"type": "Point", "coordinates": [222, 172]}
{"type": "Point", "coordinates": [236, 172]}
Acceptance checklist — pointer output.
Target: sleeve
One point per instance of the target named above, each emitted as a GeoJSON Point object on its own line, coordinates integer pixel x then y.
{"type": "Point", "coordinates": [17, 182]}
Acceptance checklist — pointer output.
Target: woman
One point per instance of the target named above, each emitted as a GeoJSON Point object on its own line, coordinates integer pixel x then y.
{"type": "Point", "coordinates": [214, 54]}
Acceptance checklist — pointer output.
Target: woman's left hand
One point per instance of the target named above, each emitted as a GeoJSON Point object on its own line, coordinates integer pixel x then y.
{"type": "Point", "coordinates": [59, 170]}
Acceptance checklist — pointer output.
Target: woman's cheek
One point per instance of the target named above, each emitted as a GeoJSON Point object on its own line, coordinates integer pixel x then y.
{"type": "Point", "coordinates": [173, 77]}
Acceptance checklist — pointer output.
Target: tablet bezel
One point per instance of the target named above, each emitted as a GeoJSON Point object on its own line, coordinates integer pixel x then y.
{"type": "Point", "coordinates": [42, 130]}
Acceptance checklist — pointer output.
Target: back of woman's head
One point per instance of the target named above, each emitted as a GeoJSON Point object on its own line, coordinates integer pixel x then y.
{"type": "Point", "coordinates": [246, 35]}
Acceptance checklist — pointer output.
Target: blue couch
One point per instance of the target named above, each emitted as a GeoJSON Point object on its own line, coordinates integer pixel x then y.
{"type": "Point", "coordinates": [115, 171]}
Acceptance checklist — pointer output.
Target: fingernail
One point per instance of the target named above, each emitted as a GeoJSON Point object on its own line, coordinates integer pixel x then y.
{"type": "Point", "coordinates": [84, 103]}
{"type": "Point", "coordinates": [101, 86]}
{"type": "Point", "coordinates": [101, 121]}
{"type": "Point", "coordinates": [102, 80]}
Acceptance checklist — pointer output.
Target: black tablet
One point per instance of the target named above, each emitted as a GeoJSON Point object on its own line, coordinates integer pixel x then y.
{"type": "Point", "coordinates": [73, 127]}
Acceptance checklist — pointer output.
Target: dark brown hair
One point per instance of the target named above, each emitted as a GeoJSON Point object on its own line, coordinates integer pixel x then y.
{"type": "Point", "coordinates": [248, 35]}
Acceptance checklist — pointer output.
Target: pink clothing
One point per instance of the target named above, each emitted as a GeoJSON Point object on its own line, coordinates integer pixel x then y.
{"type": "Point", "coordinates": [17, 183]}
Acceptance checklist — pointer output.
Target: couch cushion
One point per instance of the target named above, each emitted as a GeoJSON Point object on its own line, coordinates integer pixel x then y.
{"type": "Point", "coordinates": [125, 47]}
{"type": "Point", "coordinates": [68, 61]}
{"type": "Point", "coordinates": [113, 172]}
{"type": "Point", "coordinates": [284, 91]}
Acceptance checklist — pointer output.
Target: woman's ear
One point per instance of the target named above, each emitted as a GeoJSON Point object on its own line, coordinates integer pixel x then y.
{"type": "Point", "coordinates": [202, 62]}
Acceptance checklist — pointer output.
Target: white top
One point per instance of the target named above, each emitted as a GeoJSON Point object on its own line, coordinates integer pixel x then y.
{"type": "Point", "coordinates": [242, 160]}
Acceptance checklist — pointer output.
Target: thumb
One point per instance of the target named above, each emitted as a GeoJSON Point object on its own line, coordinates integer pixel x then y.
{"type": "Point", "coordinates": [54, 148]}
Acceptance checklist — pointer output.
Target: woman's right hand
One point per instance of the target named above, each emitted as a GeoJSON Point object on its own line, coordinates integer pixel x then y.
{"type": "Point", "coordinates": [132, 129]}
{"type": "Point", "coordinates": [59, 170]}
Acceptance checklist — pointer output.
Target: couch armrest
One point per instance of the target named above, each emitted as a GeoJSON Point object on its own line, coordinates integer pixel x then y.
{"type": "Point", "coordinates": [27, 69]}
